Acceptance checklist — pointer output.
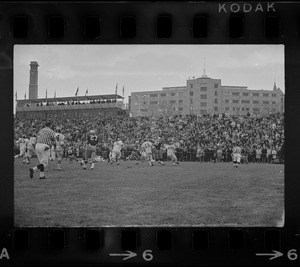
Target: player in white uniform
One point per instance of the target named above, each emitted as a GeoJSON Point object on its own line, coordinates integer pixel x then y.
{"type": "Point", "coordinates": [30, 148]}
{"type": "Point", "coordinates": [22, 143]}
{"type": "Point", "coordinates": [147, 148]}
{"type": "Point", "coordinates": [59, 147]}
{"type": "Point", "coordinates": [116, 152]}
{"type": "Point", "coordinates": [171, 153]}
{"type": "Point", "coordinates": [236, 155]}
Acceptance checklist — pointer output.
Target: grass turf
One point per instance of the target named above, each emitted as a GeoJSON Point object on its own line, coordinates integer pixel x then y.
{"type": "Point", "coordinates": [191, 193]}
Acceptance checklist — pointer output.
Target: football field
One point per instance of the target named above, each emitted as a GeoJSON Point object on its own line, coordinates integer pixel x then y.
{"type": "Point", "coordinates": [191, 193]}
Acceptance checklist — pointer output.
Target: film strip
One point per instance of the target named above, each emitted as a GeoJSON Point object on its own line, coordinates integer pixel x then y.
{"type": "Point", "coordinates": [41, 233]}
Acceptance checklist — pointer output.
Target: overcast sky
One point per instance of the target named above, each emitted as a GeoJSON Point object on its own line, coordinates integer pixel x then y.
{"type": "Point", "coordinates": [98, 68]}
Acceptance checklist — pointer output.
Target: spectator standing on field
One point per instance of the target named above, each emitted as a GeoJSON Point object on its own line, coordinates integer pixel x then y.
{"type": "Point", "coordinates": [269, 155]}
{"type": "Point", "coordinates": [264, 154]}
{"type": "Point", "coordinates": [258, 154]}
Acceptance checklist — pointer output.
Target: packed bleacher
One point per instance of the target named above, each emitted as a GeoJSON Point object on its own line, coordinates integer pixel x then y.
{"type": "Point", "coordinates": [197, 138]}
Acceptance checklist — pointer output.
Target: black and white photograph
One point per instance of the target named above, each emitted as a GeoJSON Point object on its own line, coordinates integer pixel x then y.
{"type": "Point", "coordinates": [149, 135]}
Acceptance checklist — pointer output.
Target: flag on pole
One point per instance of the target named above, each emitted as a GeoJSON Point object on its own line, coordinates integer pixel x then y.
{"type": "Point", "coordinates": [77, 91]}
{"type": "Point", "coordinates": [86, 92]}
{"type": "Point", "coordinates": [123, 91]}
{"type": "Point", "coordinates": [46, 94]}
{"type": "Point", "coordinates": [16, 95]}
{"type": "Point", "coordinates": [116, 91]}
{"type": "Point", "coordinates": [25, 96]}
{"type": "Point", "coordinates": [55, 94]}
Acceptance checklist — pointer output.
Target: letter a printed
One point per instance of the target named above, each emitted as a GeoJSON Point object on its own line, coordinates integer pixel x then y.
{"type": "Point", "coordinates": [4, 254]}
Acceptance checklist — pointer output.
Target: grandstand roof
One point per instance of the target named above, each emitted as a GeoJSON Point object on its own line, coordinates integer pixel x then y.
{"type": "Point", "coordinates": [70, 98]}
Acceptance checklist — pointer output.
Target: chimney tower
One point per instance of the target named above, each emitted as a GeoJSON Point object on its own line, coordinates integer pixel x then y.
{"type": "Point", "coordinates": [33, 80]}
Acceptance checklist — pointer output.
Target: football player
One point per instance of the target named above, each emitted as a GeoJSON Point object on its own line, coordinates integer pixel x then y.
{"type": "Point", "coordinates": [22, 143]}
{"type": "Point", "coordinates": [147, 148]}
{"type": "Point", "coordinates": [30, 148]}
{"type": "Point", "coordinates": [116, 151]}
{"type": "Point", "coordinates": [90, 149]}
{"type": "Point", "coordinates": [236, 155]}
{"type": "Point", "coordinates": [171, 152]}
{"type": "Point", "coordinates": [71, 155]}
{"type": "Point", "coordinates": [59, 147]}
{"type": "Point", "coordinates": [157, 152]}
{"type": "Point", "coordinates": [135, 154]}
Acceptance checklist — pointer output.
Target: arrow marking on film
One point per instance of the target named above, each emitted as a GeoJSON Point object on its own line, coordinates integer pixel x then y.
{"type": "Point", "coordinates": [127, 255]}
{"type": "Point", "coordinates": [275, 255]}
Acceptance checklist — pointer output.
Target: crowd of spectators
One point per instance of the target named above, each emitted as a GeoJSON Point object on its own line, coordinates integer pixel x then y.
{"type": "Point", "coordinates": [48, 103]}
{"type": "Point", "coordinates": [202, 138]}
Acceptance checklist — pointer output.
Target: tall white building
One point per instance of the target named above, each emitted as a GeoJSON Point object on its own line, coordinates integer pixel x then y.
{"type": "Point", "coordinates": [205, 95]}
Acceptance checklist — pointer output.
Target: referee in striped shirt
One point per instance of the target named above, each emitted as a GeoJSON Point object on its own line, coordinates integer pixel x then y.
{"type": "Point", "coordinates": [44, 141]}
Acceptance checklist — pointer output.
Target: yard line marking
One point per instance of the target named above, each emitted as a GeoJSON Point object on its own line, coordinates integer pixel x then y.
{"type": "Point", "coordinates": [129, 255]}
{"type": "Point", "coordinates": [275, 255]}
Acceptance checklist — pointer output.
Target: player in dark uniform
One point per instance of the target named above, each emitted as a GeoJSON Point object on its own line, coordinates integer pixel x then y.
{"type": "Point", "coordinates": [71, 154]}
{"type": "Point", "coordinates": [135, 154]}
{"type": "Point", "coordinates": [90, 149]}
{"type": "Point", "coordinates": [157, 152]}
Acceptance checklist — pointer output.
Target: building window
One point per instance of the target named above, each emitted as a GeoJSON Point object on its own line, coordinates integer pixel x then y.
{"type": "Point", "coordinates": [245, 101]}
{"type": "Point", "coordinates": [145, 102]}
{"type": "Point", "coordinates": [180, 109]}
{"type": "Point", "coordinates": [233, 109]}
{"type": "Point", "coordinates": [153, 102]}
{"type": "Point", "coordinates": [180, 101]}
{"type": "Point", "coordinates": [203, 89]}
{"type": "Point", "coordinates": [153, 95]}
{"type": "Point", "coordinates": [216, 101]}
{"type": "Point", "coordinates": [235, 101]}
{"type": "Point", "coordinates": [203, 111]}
{"type": "Point", "coordinates": [245, 94]}
{"type": "Point", "coordinates": [144, 110]}
{"type": "Point", "coordinates": [247, 109]}
{"type": "Point", "coordinates": [191, 93]}
{"type": "Point", "coordinates": [173, 94]}
{"type": "Point", "coordinates": [242, 109]}
{"type": "Point", "coordinates": [180, 94]}
{"type": "Point", "coordinates": [191, 85]}
{"type": "Point", "coordinates": [274, 95]}
{"type": "Point", "coordinates": [203, 96]}
{"type": "Point", "coordinates": [235, 93]}
{"type": "Point", "coordinates": [191, 101]}
{"type": "Point", "coordinates": [255, 109]}
{"type": "Point", "coordinates": [203, 104]}
{"type": "Point", "coordinates": [265, 102]}
{"type": "Point", "coordinates": [163, 94]}
{"type": "Point", "coordinates": [172, 101]}
{"type": "Point", "coordinates": [255, 94]}
{"type": "Point", "coordinates": [226, 100]}
{"type": "Point", "coordinates": [216, 85]}
{"type": "Point", "coordinates": [227, 108]}
{"type": "Point", "coordinates": [265, 94]}
{"type": "Point", "coordinates": [273, 102]}
{"type": "Point", "coordinates": [255, 102]}
{"type": "Point", "coordinates": [216, 93]}
{"type": "Point", "coordinates": [136, 103]}
{"type": "Point", "coordinates": [215, 108]}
